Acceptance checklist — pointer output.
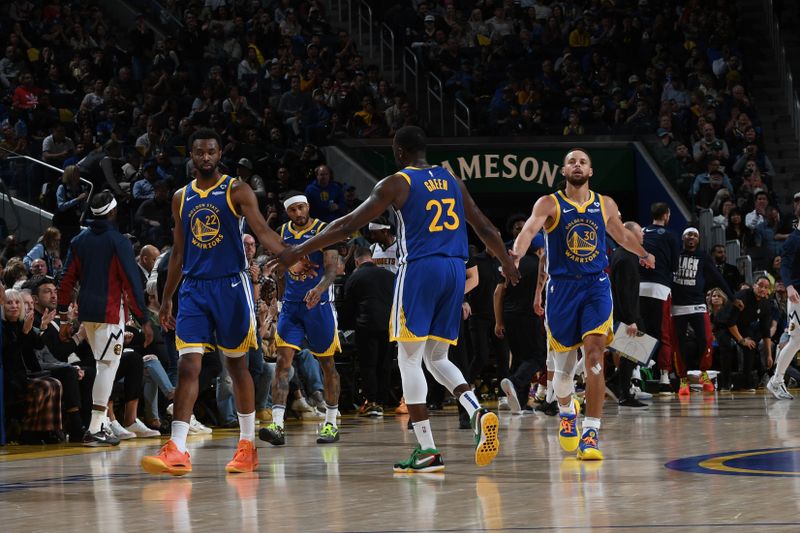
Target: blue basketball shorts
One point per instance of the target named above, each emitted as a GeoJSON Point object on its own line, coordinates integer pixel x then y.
{"type": "Point", "coordinates": [317, 326]}
{"type": "Point", "coordinates": [428, 294]}
{"type": "Point", "coordinates": [216, 312]}
{"type": "Point", "coordinates": [576, 308]}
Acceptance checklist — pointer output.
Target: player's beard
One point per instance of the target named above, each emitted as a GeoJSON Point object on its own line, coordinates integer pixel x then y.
{"type": "Point", "coordinates": [207, 173]}
{"type": "Point", "coordinates": [300, 222]}
{"type": "Point", "coordinates": [577, 181]}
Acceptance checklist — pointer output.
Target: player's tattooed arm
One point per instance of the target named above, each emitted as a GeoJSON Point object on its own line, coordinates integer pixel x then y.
{"type": "Point", "coordinates": [331, 262]}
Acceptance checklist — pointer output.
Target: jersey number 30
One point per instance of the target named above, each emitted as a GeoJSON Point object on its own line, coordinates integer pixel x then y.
{"type": "Point", "coordinates": [451, 222]}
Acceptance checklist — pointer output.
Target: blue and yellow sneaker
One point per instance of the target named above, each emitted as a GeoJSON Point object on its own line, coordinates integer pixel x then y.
{"type": "Point", "coordinates": [421, 461]}
{"type": "Point", "coordinates": [486, 426]}
{"type": "Point", "coordinates": [588, 449]}
{"type": "Point", "coordinates": [568, 432]}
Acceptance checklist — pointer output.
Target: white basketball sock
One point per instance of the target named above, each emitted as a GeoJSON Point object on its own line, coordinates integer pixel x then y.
{"type": "Point", "coordinates": [180, 430]}
{"type": "Point", "coordinates": [470, 402]}
{"type": "Point", "coordinates": [277, 414]}
{"type": "Point", "coordinates": [247, 426]}
{"type": "Point", "coordinates": [422, 430]}
{"type": "Point", "coordinates": [330, 413]}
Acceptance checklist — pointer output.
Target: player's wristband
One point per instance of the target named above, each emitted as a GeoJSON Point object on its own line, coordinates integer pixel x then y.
{"type": "Point", "coordinates": [645, 256]}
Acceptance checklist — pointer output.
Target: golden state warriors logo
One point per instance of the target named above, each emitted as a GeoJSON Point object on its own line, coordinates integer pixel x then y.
{"type": "Point", "coordinates": [205, 226]}
{"type": "Point", "coordinates": [582, 240]}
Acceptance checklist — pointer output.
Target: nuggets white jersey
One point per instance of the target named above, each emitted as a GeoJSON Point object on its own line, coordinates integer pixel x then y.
{"type": "Point", "coordinates": [385, 258]}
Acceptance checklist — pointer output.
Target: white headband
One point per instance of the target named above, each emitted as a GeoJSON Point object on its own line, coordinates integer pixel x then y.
{"type": "Point", "coordinates": [106, 209]}
{"type": "Point", "coordinates": [376, 227]}
{"type": "Point", "coordinates": [690, 230]}
{"type": "Point", "coordinates": [300, 198]}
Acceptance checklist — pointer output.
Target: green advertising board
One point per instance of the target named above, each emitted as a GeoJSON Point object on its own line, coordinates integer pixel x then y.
{"type": "Point", "coordinates": [498, 169]}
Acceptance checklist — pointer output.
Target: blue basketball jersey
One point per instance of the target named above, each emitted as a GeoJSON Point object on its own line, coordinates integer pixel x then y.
{"type": "Point", "coordinates": [432, 221]}
{"type": "Point", "coordinates": [212, 230]}
{"type": "Point", "coordinates": [298, 285]}
{"type": "Point", "coordinates": [576, 241]}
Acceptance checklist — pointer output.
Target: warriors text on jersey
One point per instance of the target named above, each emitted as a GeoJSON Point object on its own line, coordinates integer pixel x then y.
{"type": "Point", "coordinates": [212, 231]}
{"type": "Point", "coordinates": [576, 241]}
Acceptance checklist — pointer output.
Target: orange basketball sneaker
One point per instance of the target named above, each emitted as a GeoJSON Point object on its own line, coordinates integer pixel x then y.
{"type": "Point", "coordinates": [168, 461]}
{"type": "Point", "coordinates": [244, 460]}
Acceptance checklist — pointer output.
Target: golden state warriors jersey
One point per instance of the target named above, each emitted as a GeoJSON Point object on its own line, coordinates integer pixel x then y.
{"type": "Point", "coordinates": [212, 230]}
{"type": "Point", "coordinates": [576, 241]}
{"type": "Point", "coordinates": [297, 285]}
{"type": "Point", "coordinates": [432, 221]}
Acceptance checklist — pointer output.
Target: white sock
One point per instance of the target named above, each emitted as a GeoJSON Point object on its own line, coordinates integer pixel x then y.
{"type": "Point", "coordinates": [550, 393]}
{"type": "Point", "coordinates": [277, 414]}
{"type": "Point", "coordinates": [98, 417]}
{"type": "Point", "coordinates": [330, 413]}
{"type": "Point", "coordinates": [591, 423]}
{"type": "Point", "coordinates": [540, 390]}
{"type": "Point", "coordinates": [470, 403]}
{"type": "Point", "coordinates": [665, 377]}
{"type": "Point", "coordinates": [568, 409]}
{"type": "Point", "coordinates": [180, 430]}
{"type": "Point", "coordinates": [422, 430]}
{"type": "Point", "coordinates": [247, 426]}
{"type": "Point", "coordinates": [636, 374]}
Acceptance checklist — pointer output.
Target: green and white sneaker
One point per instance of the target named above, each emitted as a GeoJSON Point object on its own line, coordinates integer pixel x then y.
{"type": "Point", "coordinates": [328, 434]}
{"type": "Point", "coordinates": [421, 461]}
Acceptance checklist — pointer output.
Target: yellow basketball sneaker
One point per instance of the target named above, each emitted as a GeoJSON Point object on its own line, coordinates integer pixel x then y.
{"type": "Point", "coordinates": [568, 432]}
{"type": "Point", "coordinates": [588, 449]}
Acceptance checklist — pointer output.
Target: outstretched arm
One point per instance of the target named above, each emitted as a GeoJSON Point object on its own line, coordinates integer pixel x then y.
{"type": "Point", "coordinates": [383, 195]}
{"type": "Point", "coordinates": [245, 200]}
{"type": "Point", "coordinates": [624, 236]}
{"type": "Point", "coordinates": [489, 235]}
{"type": "Point", "coordinates": [543, 209]}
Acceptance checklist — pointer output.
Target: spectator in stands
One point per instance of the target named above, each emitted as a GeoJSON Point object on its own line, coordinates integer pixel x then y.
{"type": "Point", "coordinates": [708, 192]}
{"type": "Point", "coordinates": [736, 229]}
{"type": "Point", "coordinates": [71, 196]}
{"type": "Point", "coordinates": [155, 218]}
{"type": "Point", "coordinates": [144, 188]}
{"type": "Point", "coordinates": [713, 165]}
{"type": "Point", "coordinates": [30, 397]}
{"type": "Point", "coordinates": [710, 145]}
{"type": "Point", "coordinates": [325, 196]}
{"type": "Point", "coordinates": [57, 146]}
{"type": "Point", "coordinates": [729, 272]}
{"type": "Point", "coordinates": [48, 249]}
{"type": "Point", "coordinates": [757, 216]}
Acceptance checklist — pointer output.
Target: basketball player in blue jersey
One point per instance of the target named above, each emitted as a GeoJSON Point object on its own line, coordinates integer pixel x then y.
{"type": "Point", "coordinates": [307, 313]}
{"type": "Point", "coordinates": [432, 207]}
{"type": "Point", "coordinates": [215, 302]}
{"type": "Point", "coordinates": [578, 308]}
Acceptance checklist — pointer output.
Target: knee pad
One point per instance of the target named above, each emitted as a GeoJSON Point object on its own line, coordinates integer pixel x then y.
{"type": "Point", "coordinates": [440, 367]}
{"type": "Point", "coordinates": [409, 359]}
{"type": "Point", "coordinates": [562, 384]}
